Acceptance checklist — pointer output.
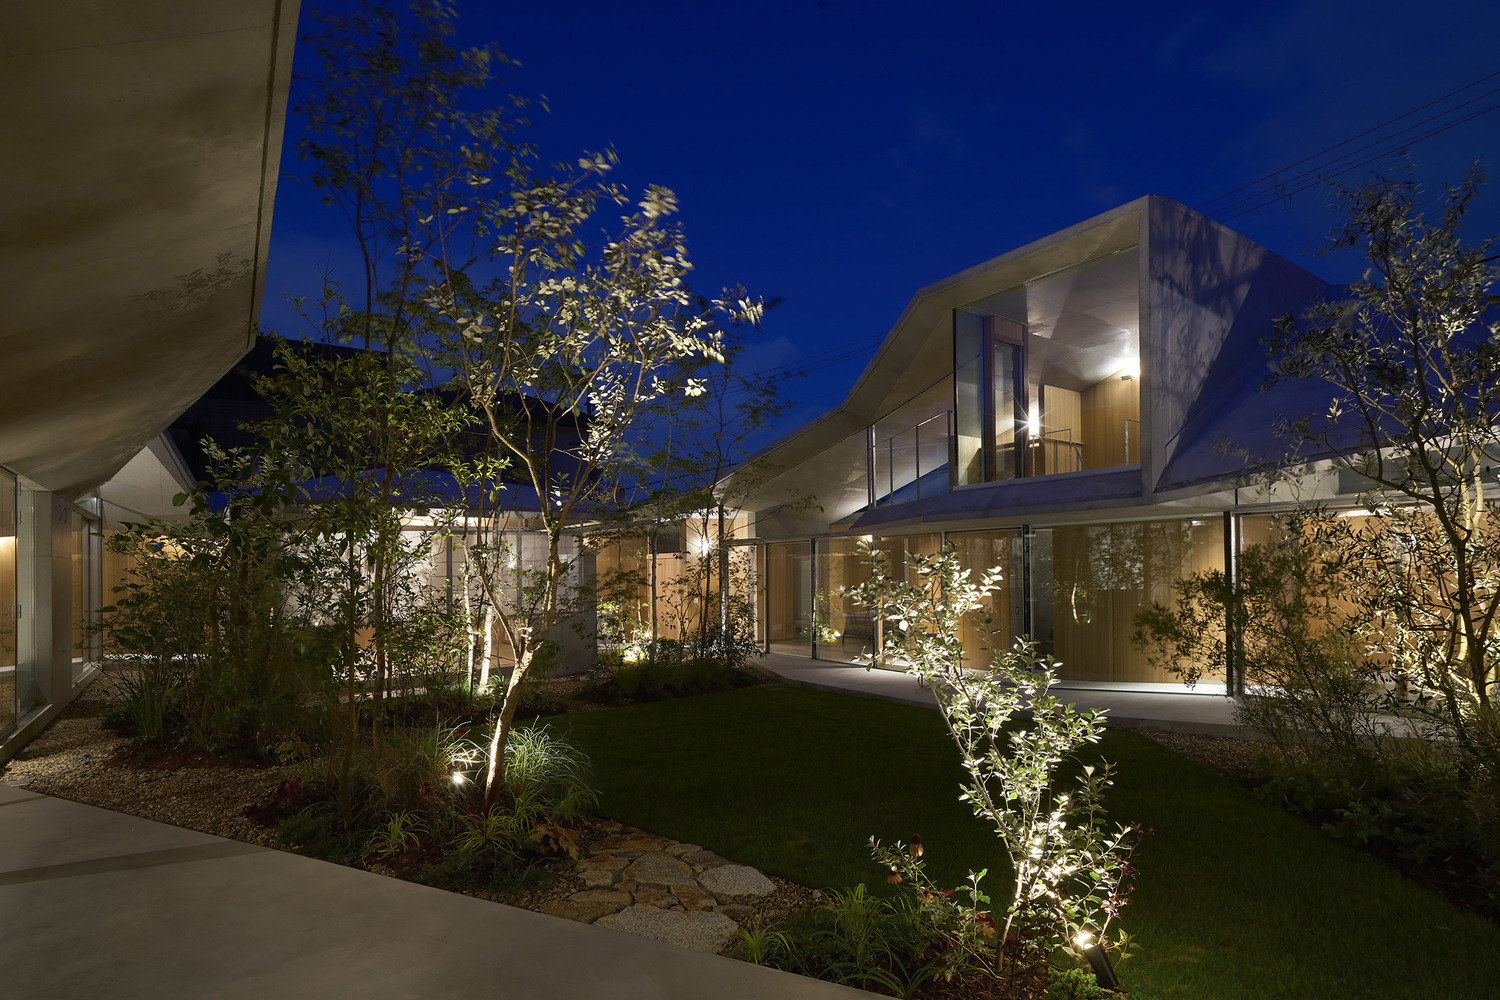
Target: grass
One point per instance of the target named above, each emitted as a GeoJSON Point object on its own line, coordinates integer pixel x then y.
{"type": "Point", "coordinates": [1235, 898]}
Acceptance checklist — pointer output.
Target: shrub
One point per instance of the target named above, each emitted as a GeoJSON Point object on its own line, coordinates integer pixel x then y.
{"type": "Point", "coordinates": [1067, 867]}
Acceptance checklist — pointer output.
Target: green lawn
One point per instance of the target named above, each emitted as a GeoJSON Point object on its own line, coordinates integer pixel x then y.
{"type": "Point", "coordinates": [1236, 899]}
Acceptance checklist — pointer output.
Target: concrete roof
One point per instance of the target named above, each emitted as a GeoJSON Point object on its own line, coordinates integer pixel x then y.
{"type": "Point", "coordinates": [139, 165]}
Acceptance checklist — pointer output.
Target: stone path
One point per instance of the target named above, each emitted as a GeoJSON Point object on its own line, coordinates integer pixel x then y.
{"type": "Point", "coordinates": [662, 889]}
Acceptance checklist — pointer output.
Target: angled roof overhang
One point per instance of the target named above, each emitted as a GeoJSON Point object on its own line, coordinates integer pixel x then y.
{"type": "Point", "coordinates": [918, 351]}
{"type": "Point", "coordinates": [140, 165]}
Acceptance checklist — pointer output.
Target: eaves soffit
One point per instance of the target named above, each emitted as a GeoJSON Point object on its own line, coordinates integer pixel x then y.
{"type": "Point", "coordinates": [1069, 491]}
{"type": "Point", "coordinates": [141, 167]}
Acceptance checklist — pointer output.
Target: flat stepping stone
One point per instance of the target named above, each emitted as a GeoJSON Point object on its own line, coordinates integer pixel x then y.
{"type": "Point", "coordinates": [600, 878]}
{"type": "Point", "coordinates": [704, 859]}
{"type": "Point", "coordinates": [678, 850]}
{"type": "Point", "coordinates": [736, 880]}
{"type": "Point", "coordinates": [608, 897]}
{"type": "Point", "coordinates": [699, 931]}
{"type": "Point", "coordinates": [659, 869]}
{"type": "Point", "coordinates": [693, 897]}
{"type": "Point", "coordinates": [584, 913]}
{"type": "Point", "coordinates": [630, 843]}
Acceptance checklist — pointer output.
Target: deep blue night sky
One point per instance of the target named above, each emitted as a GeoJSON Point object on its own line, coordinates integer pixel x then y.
{"type": "Point", "coordinates": [840, 155]}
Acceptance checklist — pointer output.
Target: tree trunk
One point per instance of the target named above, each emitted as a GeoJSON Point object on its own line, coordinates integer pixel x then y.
{"type": "Point", "coordinates": [470, 636]}
{"type": "Point", "coordinates": [722, 552]}
{"type": "Point", "coordinates": [487, 648]}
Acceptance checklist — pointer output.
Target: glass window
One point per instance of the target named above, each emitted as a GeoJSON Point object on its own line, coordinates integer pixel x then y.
{"type": "Point", "coordinates": [789, 598]}
{"type": "Point", "coordinates": [1061, 355]}
{"type": "Point", "coordinates": [78, 527]}
{"type": "Point", "coordinates": [846, 628]}
{"type": "Point", "coordinates": [7, 602]}
{"type": "Point", "coordinates": [1088, 582]}
{"type": "Point", "coordinates": [979, 552]}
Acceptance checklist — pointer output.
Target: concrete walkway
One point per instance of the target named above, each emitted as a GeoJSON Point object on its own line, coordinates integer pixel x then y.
{"type": "Point", "coordinates": [1160, 706]}
{"type": "Point", "coordinates": [95, 904]}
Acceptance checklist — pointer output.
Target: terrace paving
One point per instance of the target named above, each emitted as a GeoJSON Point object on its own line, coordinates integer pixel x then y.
{"type": "Point", "coordinates": [1171, 708]}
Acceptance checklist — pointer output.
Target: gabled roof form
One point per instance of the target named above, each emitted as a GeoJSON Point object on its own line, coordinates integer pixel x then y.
{"type": "Point", "coordinates": [139, 168]}
{"type": "Point", "coordinates": [919, 348]}
{"type": "Point", "coordinates": [1208, 297]}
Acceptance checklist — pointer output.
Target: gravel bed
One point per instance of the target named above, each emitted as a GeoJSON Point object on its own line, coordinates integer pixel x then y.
{"type": "Point", "coordinates": [78, 757]}
{"type": "Point", "coordinates": [1231, 757]}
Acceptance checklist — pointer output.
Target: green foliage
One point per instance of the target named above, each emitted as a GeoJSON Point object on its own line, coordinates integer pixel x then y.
{"type": "Point", "coordinates": [217, 654]}
{"type": "Point", "coordinates": [856, 939]}
{"type": "Point", "coordinates": [1373, 769]}
{"type": "Point", "coordinates": [1304, 681]}
{"type": "Point", "coordinates": [460, 871]}
{"type": "Point", "coordinates": [1068, 867]}
{"type": "Point", "coordinates": [409, 769]}
{"type": "Point", "coordinates": [758, 944]}
{"type": "Point", "coordinates": [1076, 984]}
{"type": "Point", "coordinates": [1235, 899]}
{"type": "Point", "coordinates": [1408, 354]}
{"type": "Point", "coordinates": [666, 676]}
{"type": "Point", "coordinates": [548, 783]}
{"type": "Point", "coordinates": [548, 774]}
{"type": "Point", "coordinates": [318, 831]}
{"type": "Point", "coordinates": [401, 833]}
{"type": "Point", "coordinates": [146, 698]}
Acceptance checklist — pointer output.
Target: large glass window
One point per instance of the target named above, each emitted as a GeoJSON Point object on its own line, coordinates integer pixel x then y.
{"type": "Point", "coordinates": [846, 628]}
{"type": "Point", "coordinates": [1088, 582]}
{"type": "Point", "coordinates": [7, 602]}
{"type": "Point", "coordinates": [789, 598]}
{"type": "Point", "coordinates": [1045, 374]}
{"type": "Point", "coordinates": [979, 552]}
{"type": "Point", "coordinates": [83, 557]}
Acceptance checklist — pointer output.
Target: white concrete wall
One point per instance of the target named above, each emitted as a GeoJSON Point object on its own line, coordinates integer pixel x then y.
{"type": "Point", "coordinates": [1210, 296]}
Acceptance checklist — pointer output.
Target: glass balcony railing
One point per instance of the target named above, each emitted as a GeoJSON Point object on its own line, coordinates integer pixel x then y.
{"type": "Point", "coordinates": [912, 464]}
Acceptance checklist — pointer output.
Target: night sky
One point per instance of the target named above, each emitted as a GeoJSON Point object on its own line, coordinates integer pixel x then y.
{"type": "Point", "coordinates": [840, 155]}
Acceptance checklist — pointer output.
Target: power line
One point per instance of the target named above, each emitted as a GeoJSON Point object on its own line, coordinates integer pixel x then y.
{"type": "Point", "coordinates": [1316, 176]}
{"type": "Point", "coordinates": [1282, 189]}
{"type": "Point", "coordinates": [1360, 135]}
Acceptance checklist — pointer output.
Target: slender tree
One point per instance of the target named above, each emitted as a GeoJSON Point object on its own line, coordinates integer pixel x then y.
{"type": "Point", "coordinates": [1410, 354]}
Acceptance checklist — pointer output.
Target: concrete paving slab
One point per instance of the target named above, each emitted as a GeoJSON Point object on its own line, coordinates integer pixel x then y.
{"type": "Point", "coordinates": [131, 908]}
{"type": "Point", "coordinates": [1183, 711]}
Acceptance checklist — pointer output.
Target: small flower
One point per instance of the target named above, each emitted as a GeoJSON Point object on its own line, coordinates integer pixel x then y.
{"type": "Point", "coordinates": [916, 845]}
{"type": "Point", "coordinates": [894, 878]}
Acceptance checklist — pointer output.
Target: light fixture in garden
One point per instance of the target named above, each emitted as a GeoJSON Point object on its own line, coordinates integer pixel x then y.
{"type": "Point", "coordinates": [1093, 950]}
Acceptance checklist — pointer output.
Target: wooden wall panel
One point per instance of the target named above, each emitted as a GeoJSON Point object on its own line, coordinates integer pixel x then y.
{"type": "Point", "coordinates": [1106, 405]}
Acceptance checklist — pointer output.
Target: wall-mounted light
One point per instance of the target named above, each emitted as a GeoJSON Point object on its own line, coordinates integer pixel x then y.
{"type": "Point", "coordinates": [1132, 369]}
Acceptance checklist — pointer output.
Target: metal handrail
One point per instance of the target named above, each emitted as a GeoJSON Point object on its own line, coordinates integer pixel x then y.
{"type": "Point", "coordinates": [890, 464]}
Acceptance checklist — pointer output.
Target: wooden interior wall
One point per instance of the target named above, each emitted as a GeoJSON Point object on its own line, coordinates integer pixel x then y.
{"type": "Point", "coordinates": [978, 552]}
{"type": "Point", "coordinates": [1062, 411]}
{"type": "Point", "coordinates": [676, 612]}
{"type": "Point", "coordinates": [780, 606]}
{"type": "Point", "coordinates": [1104, 575]}
{"type": "Point", "coordinates": [1082, 612]}
{"type": "Point", "coordinates": [118, 570]}
{"type": "Point", "coordinates": [1106, 406]}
